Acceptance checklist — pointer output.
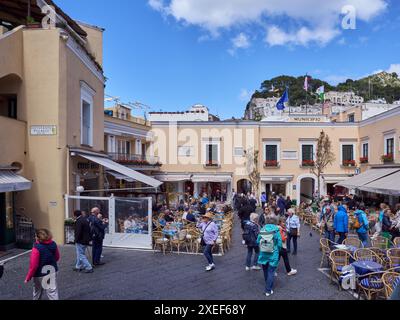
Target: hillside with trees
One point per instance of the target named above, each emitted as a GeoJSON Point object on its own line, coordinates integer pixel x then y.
{"type": "Point", "coordinates": [380, 85]}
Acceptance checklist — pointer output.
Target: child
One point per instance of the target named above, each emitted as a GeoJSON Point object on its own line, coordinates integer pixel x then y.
{"type": "Point", "coordinates": [43, 266]}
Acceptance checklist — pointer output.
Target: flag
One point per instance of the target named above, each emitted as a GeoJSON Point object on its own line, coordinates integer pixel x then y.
{"type": "Point", "coordinates": [306, 83]}
{"type": "Point", "coordinates": [284, 99]}
{"type": "Point", "coordinates": [321, 93]}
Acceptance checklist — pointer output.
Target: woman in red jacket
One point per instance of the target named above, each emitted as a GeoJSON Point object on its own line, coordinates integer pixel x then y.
{"type": "Point", "coordinates": [43, 266]}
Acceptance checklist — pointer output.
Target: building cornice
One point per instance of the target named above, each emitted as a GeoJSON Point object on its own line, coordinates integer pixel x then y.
{"type": "Point", "coordinates": [382, 116]}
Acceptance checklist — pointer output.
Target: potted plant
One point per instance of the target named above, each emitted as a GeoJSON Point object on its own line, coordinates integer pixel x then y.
{"type": "Point", "coordinates": [32, 23]}
{"type": "Point", "coordinates": [271, 163]}
{"type": "Point", "coordinates": [349, 163]}
{"type": "Point", "coordinates": [364, 160]}
{"type": "Point", "coordinates": [308, 163]}
{"type": "Point", "coordinates": [386, 158]}
{"type": "Point", "coordinates": [69, 229]}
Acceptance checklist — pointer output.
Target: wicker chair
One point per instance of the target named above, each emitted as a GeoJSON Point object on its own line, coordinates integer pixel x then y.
{"type": "Point", "coordinates": [390, 280]}
{"type": "Point", "coordinates": [396, 242]}
{"type": "Point", "coordinates": [393, 256]}
{"type": "Point", "coordinates": [326, 250]}
{"type": "Point", "coordinates": [380, 242]}
{"type": "Point", "coordinates": [371, 285]}
{"type": "Point", "coordinates": [159, 240]}
{"type": "Point", "coordinates": [338, 259]}
{"type": "Point", "coordinates": [180, 240]}
{"type": "Point", "coordinates": [353, 241]}
{"type": "Point", "coordinates": [365, 254]}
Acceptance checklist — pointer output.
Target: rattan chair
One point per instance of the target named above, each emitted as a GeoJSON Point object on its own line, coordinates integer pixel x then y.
{"type": "Point", "coordinates": [326, 250]}
{"type": "Point", "coordinates": [180, 240]}
{"type": "Point", "coordinates": [364, 254]}
{"type": "Point", "coordinates": [159, 240]}
{"type": "Point", "coordinates": [353, 241]}
{"type": "Point", "coordinates": [396, 242]}
{"type": "Point", "coordinates": [393, 256]}
{"type": "Point", "coordinates": [371, 285]}
{"type": "Point", "coordinates": [380, 242]}
{"type": "Point", "coordinates": [390, 280]}
{"type": "Point", "coordinates": [338, 259]}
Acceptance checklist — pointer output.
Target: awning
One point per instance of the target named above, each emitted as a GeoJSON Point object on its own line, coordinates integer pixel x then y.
{"type": "Point", "coordinates": [276, 178]}
{"type": "Point", "coordinates": [211, 178]}
{"type": "Point", "coordinates": [120, 176]}
{"type": "Point", "coordinates": [10, 181]}
{"type": "Point", "coordinates": [173, 177]}
{"type": "Point", "coordinates": [334, 179]}
{"type": "Point", "coordinates": [371, 175]}
{"type": "Point", "coordinates": [389, 185]}
{"type": "Point", "coordinates": [108, 163]}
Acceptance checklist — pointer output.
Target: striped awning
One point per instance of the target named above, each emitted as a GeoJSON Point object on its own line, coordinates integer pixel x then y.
{"type": "Point", "coordinates": [10, 181]}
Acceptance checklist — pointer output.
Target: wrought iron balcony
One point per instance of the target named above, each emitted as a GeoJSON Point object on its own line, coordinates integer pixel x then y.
{"type": "Point", "coordinates": [135, 159]}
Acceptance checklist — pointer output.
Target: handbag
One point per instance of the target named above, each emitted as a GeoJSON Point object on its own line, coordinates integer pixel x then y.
{"type": "Point", "coordinates": [293, 232]}
{"type": "Point", "coordinates": [202, 242]}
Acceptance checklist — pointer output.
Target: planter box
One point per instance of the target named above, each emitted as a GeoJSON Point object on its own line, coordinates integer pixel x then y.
{"type": "Point", "coordinates": [69, 234]}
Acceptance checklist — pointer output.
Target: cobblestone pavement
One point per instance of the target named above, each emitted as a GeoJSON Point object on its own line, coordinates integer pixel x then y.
{"type": "Point", "coordinates": [137, 275]}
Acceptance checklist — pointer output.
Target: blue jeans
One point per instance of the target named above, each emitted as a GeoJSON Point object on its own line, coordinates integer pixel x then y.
{"type": "Point", "coordinates": [330, 235]}
{"type": "Point", "coordinates": [208, 253]}
{"type": "Point", "coordinates": [250, 250]}
{"type": "Point", "coordinates": [364, 238]}
{"type": "Point", "coordinates": [289, 239]}
{"type": "Point", "coordinates": [81, 261]}
{"type": "Point", "coordinates": [97, 249]}
{"type": "Point", "coordinates": [269, 275]}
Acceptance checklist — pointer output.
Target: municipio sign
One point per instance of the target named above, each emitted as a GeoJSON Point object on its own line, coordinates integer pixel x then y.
{"type": "Point", "coordinates": [50, 130]}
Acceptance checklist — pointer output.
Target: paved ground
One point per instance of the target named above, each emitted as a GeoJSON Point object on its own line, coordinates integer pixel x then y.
{"type": "Point", "coordinates": [145, 275]}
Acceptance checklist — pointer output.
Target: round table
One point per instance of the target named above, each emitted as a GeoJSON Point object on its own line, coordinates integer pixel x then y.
{"type": "Point", "coordinates": [364, 267]}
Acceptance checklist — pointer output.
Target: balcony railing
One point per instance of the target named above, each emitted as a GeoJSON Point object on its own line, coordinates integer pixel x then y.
{"type": "Point", "coordinates": [135, 159]}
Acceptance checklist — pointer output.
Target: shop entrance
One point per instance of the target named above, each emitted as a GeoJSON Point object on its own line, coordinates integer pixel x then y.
{"type": "Point", "coordinates": [244, 186]}
{"type": "Point", "coordinates": [7, 220]}
{"type": "Point", "coordinates": [130, 219]}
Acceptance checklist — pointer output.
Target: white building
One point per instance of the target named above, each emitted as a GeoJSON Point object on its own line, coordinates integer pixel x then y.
{"type": "Point", "coordinates": [343, 98]}
{"type": "Point", "coordinates": [197, 112]}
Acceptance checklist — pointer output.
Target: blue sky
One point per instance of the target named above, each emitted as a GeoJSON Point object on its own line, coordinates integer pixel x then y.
{"type": "Point", "coordinates": [171, 54]}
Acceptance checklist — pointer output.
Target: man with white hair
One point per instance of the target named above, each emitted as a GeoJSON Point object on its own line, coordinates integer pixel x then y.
{"type": "Point", "coordinates": [250, 235]}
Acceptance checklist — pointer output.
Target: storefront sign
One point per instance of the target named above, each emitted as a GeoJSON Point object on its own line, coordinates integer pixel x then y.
{"type": "Point", "coordinates": [43, 130]}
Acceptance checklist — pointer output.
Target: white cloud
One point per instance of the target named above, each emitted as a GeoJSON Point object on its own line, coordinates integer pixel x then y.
{"type": "Point", "coordinates": [244, 95]}
{"type": "Point", "coordinates": [241, 41]}
{"type": "Point", "coordinates": [315, 20]}
{"type": "Point", "coordinates": [394, 68]}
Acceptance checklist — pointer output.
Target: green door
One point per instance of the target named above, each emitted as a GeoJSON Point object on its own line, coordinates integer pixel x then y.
{"type": "Point", "coordinates": [7, 221]}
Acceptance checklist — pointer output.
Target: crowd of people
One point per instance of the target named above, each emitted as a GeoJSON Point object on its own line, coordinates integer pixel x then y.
{"type": "Point", "coordinates": [268, 236]}
{"type": "Point", "coordinates": [89, 229]}
{"type": "Point", "coordinates": [334, 220]}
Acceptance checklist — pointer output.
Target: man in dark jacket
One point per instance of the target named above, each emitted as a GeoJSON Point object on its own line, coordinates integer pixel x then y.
{"type": "Point", "coordinates": [244, 213]}
{"type": "Point", "coordinates": [97, 229]}
{"type": "Point", "coordinates": [82, 239]}
{"type": "Point", "coordinates": [281, 203]}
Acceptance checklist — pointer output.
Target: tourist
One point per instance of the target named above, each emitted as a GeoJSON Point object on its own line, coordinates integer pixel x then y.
{"type": "Point", "coordinates": [281, 203]}
{"type": "Point", "coordinates": [293, 230]}
{"type": "Point", "coordinates": [387, 224]}
{"type": "Point", "coordinates": [283, 252]}
{"type": "Point", "coordinates": [204, 199]}
{"type": "Point", "coordinates": [396, 223]}
{"type": "Point", "coordinates": [263, 217]}
{"type": "Point", "coordinates": [82, 239]}
{"type": "Point", "coordinates": [128, 224]}
{"type": "Point", "coordinates": [263, 200]}
{"type": "Point", "coordinates": [190, 216]}
{"type": "Point", "coordinates": [43, 263]}
{"type": "Point", "coordinates": [209, 237]}
{"type": "Point", "coordinates": [253, 202]}
{"type": "Point", "coordinates": [270, 243]}
{"type": "Point", "coordinates": [328, 224]}
{"type": "Point", "coordinates": [361, 224]}
{"type": "Point", "coordinates": [341, 223]}
{"type": "Point", "coordinates": [244, 213]}
{"type": "Point", "coordinates": [288, 203]}
{"type": "Point", "coordinates": [168, 216]}
{"type": "Point", "coordinates": [97, 229]}
{"type": "Point", "coordinates": [250, 235]}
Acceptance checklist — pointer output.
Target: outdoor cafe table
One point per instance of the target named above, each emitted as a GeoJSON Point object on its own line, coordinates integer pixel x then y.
{"type": "Point", "coordinates": [364, 267]}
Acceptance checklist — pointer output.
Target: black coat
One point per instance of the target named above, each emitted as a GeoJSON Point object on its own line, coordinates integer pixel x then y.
{"type": "Point", "coordinates": [245, 212]}
{"type": "Point", "coordinates": [82, 231]}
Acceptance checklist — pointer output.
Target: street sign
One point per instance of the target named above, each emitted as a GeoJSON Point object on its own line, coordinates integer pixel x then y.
{"type": "Point", "coordinates": [47, 130]}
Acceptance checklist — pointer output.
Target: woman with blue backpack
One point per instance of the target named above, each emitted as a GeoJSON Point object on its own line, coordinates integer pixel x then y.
{"type": "Point", "coordinates": [270, 243]}
{"type": "Point", "coordinates": [250, 235]}
{"type": "Point", "coordinates": [361, 224]}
